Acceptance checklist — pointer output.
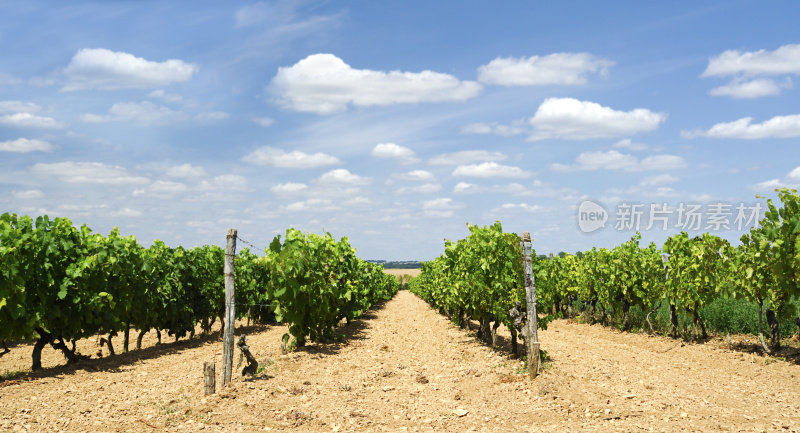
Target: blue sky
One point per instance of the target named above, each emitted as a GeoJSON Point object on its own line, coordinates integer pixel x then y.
{"type": "Point", "coordinates": [395, 123]}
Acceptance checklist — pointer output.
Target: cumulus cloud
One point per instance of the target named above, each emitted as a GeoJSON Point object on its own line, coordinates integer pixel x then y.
{"type": "Point", "coordinates": [515, 128]}
{"type": "Point", "coordinates": [288, 188]}
{"type": "Point", "coordinates": [744, 66]}
{"type": "Point", "coordinates": [29, 120]}
{"type": "Point", "coordinates": [274, 157]}
{"type": "Point", "coordinates": [395, 151]}
{"type": "Point", "coordinates": [750, 89]}
{"type": "Point", "coordinates": [614, 160]}
{"type": "Point", "coordinates": [491, 170]}
{"type": "Point", "coordinates": [102, 69]}
{"type": "Point", "coordinates": [630, 145]}
{"type": "Point", "coordinates": [324, 84]}
{"type": "Point", "coordinates": [185, 171]}
{"type": "Point", "coordinates": [415, 175]}
{"type": "Point", "coordinates": [560, 68]}
{"type": "Point", "coordinates": [467, 157]}
{"type": "Point", "coordinates": [425, 188]}
{"type": "Point", "coordinates": [342, 176]}
{"type": "Point", "coordinates": [784, 60]}
{"type": "Point", "coordinates": [28, 194]}
{"type": "Point", "coordinates": [777, 127]}
{"type": "Point", "coordinates": [24, 145]}
{"type": "Point", "coordinates": [88, 172]}
{"type": "Point", "coordinates": [571, 119]}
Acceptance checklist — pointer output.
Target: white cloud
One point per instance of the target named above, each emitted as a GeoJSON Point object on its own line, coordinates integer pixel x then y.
{"type": "Point", "coordinates": [102, 69]}
{"type": "Point", "coordinates": [425, 188]}
{"type": "Point", "coordinates": [614, 160]}
{"type": "Point", "coordinates": [265, 122]}
{"type": "Point", "coordinates": [743, 66]}
{"type": "Point", "coordinates": [343, 176]}
{"type": "Point", "coordinates": [466, 157]}
{"type": "Point", "coordinates": [491, 170]}
{"type": "Point", "coordinates": [227, 182]}
{"type": "Point", "coordinates": [537, 189]}
{"type": "Point", "coordinates": [324, 84]}
{"type": "Point", "coordinates": [662, 162]}
{"type": "Point", "coordinates": [391, 150]}
{"type": "Point", "coordinates": [24, 145]}
{"type": "Point", "coordinates": [659, 179]}
{"type": "Point", "coordinates": [166, 97]}
{"type": "Point", "coordinates": [28, 120]}
{"type": "Point", "coordinates": [749, 89]}
{"type": "Point", "coordinates": [28, 194]}
{"type": "Point", "coordinates": [507, 207]}
{"type": "Point", "coordinates": [440, 207]}
{"type": "Point", "coordinates": [288, 188]}
{"type": "Point", "coordinates": [791, 180]}
{"type": "Point", "coordinates": [185, 171]}
{"type": "Point", "coordinates": [88, 172]}
{"type": "Point", "coordinates": [126, 212]}
{"type": "Point", "coordinates": [143, 113]}
{"type": "Point", "coordinates": [517, 127]}
{"type": "Point", "coordinates": [273, 157]}
{"type": "Point", "coordinates": [161, 189]}
{"type": "Point", "coordinates": [18, 106]}
{"type": "Point", "coordinates": [313, 204]}
{"type": "Point", "coordinates": [415, 175]}
{"type": "Point", "coordinates": [571, 119]}
{"type": "Point", "coordinates": [559, 68]}
{"type": "Point", "coordinates": [777, 127]}
{"type": "Point", "coordinates": [628, 144]}
{"type": "Point", "coordinates": [783, 61]}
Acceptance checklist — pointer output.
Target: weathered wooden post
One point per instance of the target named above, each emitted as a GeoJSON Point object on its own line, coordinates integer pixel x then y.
{"type": "Point", "coordinates": [230, 311]}
{"type": "Point", "coordinates": [210, 377]}
{"type": "Point", "coordinates": [532, 336]}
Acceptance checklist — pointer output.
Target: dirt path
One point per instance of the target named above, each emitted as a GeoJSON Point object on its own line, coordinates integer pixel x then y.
{"type": "Point", "coordinates": [406, 368]}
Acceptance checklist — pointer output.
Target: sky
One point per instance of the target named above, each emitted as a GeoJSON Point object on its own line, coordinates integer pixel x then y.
{"type": "Point", "coordinates": [397, 123]}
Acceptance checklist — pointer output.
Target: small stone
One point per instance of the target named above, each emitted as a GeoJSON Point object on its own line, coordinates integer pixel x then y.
{"type": "Point", "coordinates": [460, 412]}
{"type": "Point", "coordinates": [388, 388]}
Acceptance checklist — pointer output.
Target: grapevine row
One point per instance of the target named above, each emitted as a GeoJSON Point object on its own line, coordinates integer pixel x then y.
{"type": "Point", "coordinates": [60, 283]}
{"type": "Point", "coordinates": [480, 277]}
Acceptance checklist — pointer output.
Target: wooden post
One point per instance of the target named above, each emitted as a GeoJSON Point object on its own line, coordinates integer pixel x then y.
{"type": "Point", "coordinates": [230, 311]}
{"type": "Point", "coordinates": [210, 377]}
{"type": "Point", "coordinates": [532, 337]}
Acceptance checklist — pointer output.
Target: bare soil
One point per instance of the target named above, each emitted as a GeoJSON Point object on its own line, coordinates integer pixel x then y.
{"type": "Point", "coordinates": [404, 367]}
{"type": "Point", "coordinates": [399, 272]}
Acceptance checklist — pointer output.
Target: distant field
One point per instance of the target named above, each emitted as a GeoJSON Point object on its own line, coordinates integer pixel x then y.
{"type": "Point", "coordinates": [398, 272]}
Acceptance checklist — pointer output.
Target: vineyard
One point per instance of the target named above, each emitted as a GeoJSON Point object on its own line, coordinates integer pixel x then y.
{"type": "Point", "coordinates": [339, 346]}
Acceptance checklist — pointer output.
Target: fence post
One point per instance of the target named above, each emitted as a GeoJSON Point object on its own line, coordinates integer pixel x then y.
{"type": "Point", "coordinates": [209, 377]}
{"type": "Point", "coordinates": [532, 336]}
{"type": "Point", "coordinates": [230, 311]}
